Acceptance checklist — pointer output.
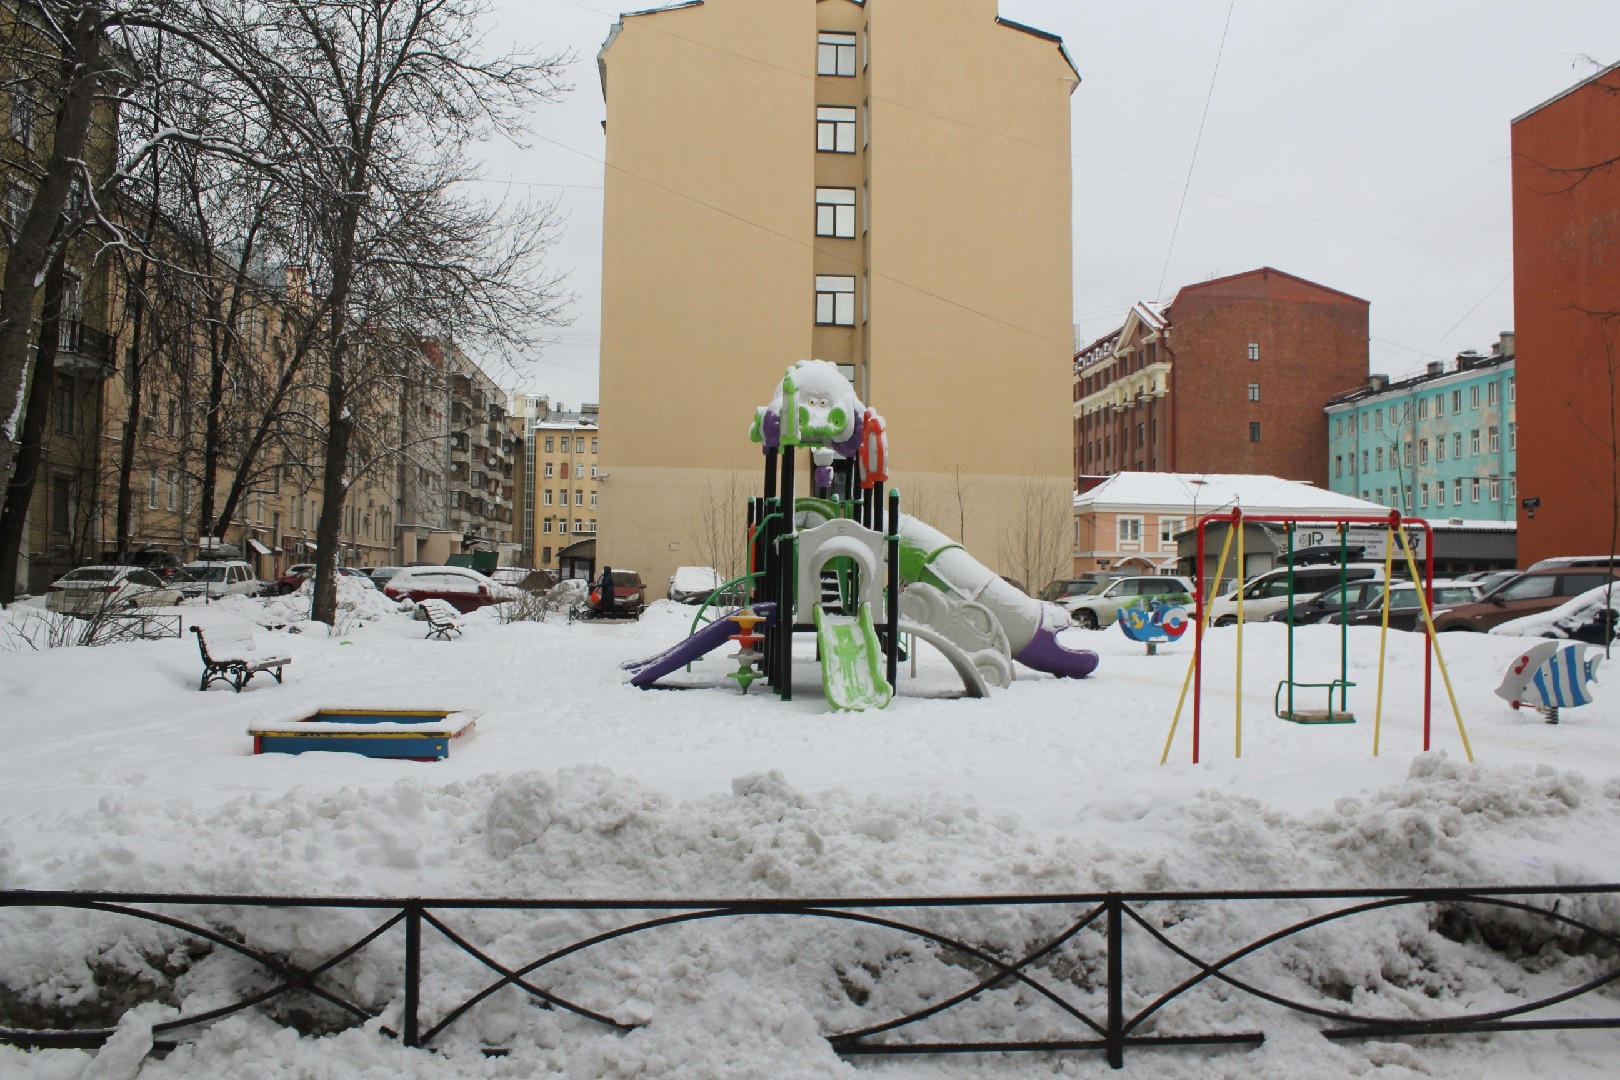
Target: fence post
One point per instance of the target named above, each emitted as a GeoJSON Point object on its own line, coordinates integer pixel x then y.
{"type": "Point", "coordinates": [413, 972]}
{"type": "Point", "coordinates": [1115, 1036]}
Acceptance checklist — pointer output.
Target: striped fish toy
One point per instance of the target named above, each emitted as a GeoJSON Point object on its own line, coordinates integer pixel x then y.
{"type": "Point", "coordinates": [1552, 675]}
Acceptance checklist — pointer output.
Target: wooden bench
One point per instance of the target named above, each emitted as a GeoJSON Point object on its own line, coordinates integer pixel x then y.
{"type": "Point", "coordinates": [234, 659]}
{"type": "Point", "coordinates": [442, 618]}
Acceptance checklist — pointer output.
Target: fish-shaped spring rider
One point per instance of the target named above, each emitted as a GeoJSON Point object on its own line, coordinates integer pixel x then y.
{"type": "Point", "coordinates": [1549, 676]}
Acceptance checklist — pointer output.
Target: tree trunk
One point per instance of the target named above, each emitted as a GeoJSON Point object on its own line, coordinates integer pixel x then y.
{"type": "Point", "coordinates": [31, 445]}
{"type": "Point", "coordinates": [329, 528]}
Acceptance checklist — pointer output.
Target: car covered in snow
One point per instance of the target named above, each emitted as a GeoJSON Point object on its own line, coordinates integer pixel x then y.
{"type": "Point", "coordinates": [1592, 617]}
{"type": "Point", "coordinates": [92, 589]}
{"type": "Point", "coordinates": [693, 584]}
{"type": "Point", "coordinates": [462, 588]}
{"type": "Point", "coordinates": [1531, 593]}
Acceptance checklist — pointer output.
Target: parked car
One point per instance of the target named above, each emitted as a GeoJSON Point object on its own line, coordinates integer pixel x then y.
{"type": "Point", "coordinates": [1100, 607]}
{"type": "Point", "coordinates": [1404, 611]}
{"type": "Point", "coordinates": [1061, 589]}
{"type": "Point", "coordinates": [1269, 592]}
{"type": "Point", "coordinates": [524, 578]}
{"type": "Point", "coordinates": [1531, 593]}
{"type": "Point", "coordinates": [1592, 617]}
{"type": "Point", "coordinates": [629, 594]}
{"type": "Point", "coordinates": [292, 580]}
{"type": "Point", "coordinates": [92, 589]}
{"type": "Point", "coordinates": [165, 564]}
{"type": "Point", "coordinates": [357, 574]}
{"type": "Point", "coordinates": [693, 584]}
{"type": "Point", "coordinates": [1566, 561]}
{"type": "Point", "coordinates": [1328, 602]}
{"type": "Point", "coordinates": [1486, 579]}
{"type": "Point", "coordinates": [380, 575]}
{"type": "Point", "coordinates": [465, 590]}
{"type": "Point", "coordinates": [225, 577]}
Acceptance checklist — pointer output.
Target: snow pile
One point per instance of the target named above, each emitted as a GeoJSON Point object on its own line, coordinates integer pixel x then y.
{"type": "Point", "coordinates": [1567, 618]}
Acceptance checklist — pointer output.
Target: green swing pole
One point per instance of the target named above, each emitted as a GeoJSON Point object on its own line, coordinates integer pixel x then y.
{"type": "Point", "coordinates": [1289, 531]}
{"type": "Point", "coordinates": [1344, 623]}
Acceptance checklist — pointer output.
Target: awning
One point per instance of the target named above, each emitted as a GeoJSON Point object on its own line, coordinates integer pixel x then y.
{"type": "Point", "coordinates": [256, 546]}
{"type": "Point", "coordinates": [309, 545]}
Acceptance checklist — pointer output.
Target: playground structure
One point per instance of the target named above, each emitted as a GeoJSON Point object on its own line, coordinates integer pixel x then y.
{"type": "Point", "coordinates": [1397, 527]}
{"type": "Point", "coordinates": [844, 563]}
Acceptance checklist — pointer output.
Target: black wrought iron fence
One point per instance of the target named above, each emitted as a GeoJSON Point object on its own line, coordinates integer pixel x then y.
{"type": "Point", "coordinates": [1112, 967]}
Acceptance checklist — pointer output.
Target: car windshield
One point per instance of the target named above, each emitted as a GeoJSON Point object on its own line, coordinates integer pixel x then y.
{"type": "Point", "coordinates": [93, 573]}
{"type": "Point", "coordinates": [625, 579]}
{"type": "Point", "coordinates": [207, 573]}
{"type": "Point", "coordinates": [1528, 587]}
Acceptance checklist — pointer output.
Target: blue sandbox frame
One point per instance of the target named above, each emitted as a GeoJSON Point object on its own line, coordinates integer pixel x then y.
{"type": "Point", "coordinates": [407, 734]}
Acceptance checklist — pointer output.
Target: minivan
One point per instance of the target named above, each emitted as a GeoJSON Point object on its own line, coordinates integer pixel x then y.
{"type": "Point", "coordinates": [1268, 593]}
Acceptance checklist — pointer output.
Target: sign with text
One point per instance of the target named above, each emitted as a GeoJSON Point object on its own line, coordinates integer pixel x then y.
{"type": "Point", "coordinates": [1371, 539]}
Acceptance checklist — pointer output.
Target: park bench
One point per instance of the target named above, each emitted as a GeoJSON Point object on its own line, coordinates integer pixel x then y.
{"type": "Point", "coordinates": [442, 618]}
{"type": "Point", "coordinates": [232, 657]}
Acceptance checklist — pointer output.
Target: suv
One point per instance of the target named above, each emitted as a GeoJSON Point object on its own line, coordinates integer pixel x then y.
{"type": "Point", "coordinates": [222, 577]}
{"type": "Point", "coordinates": [1268, 593]}
{"type": "Point", "coordinates": [1101, 606]}
{"type": "Point", "coordinates": [629, 594]}
{"type": "Point", "coordinates": [165, 564]}
{"type": "Point", "coordinates": [1060, 590]}
{"type": "Point", "coordinates": [1531, 593]}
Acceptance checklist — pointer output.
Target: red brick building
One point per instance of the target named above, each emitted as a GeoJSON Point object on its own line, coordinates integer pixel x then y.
{"type": "Point", "coordinates": [1566, 299]}
{"type": "Point", "coordinates": [1230, 378]}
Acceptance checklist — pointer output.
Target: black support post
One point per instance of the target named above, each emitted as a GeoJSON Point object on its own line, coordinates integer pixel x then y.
{"type": "Point", "coordinates": [409, 1028]}
{"type": "Point", "coordinates": [892, 592]}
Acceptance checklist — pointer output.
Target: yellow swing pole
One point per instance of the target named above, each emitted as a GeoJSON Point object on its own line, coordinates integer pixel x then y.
{"type": "Point", "coordinates": [1220, 568]}
{"type": "Point", "coordinates": [1237, 726]}
{"type": "Point", "coordinates": [1428, 626]}
{"type": "Point", "coordinates": [1383, 639]}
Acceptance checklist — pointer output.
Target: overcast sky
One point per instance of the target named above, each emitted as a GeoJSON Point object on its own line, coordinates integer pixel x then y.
{"type": "Point", "coordinates": [1362, 144]}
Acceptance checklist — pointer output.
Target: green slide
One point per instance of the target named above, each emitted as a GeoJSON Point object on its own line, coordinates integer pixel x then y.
{"type": "Point", "coordinates": [852, 668]}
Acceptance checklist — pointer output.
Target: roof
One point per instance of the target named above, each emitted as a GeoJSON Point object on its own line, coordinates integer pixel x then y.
{"type": "Point", "coordinates": [1062, 50]}
{"type": "Point", "coordinates": [1209, 492]}
{"type": "Point", "coordinates": [1264, 270]}
{"type": "Point", "coordinates": [613, 32]}
{"type": "Point", "coordinates": [1611, 69]}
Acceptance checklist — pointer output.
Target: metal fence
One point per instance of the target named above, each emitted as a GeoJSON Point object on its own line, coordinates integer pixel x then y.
{"type": "Point", "coordinates": [1088, 961]}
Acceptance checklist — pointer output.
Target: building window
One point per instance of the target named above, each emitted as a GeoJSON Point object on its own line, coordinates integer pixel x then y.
{"type": "Point", "coordinates": [548, 471]}
{"type": "Point", "coordinates": [545, 526]}
{"type": "Point", "coordinates": [1456, 401]}
{"type": "Point", "coordinates": [579, 444]}
{"type": "Point", "coordinates": [546, 500]}
{"type": "Point", "coordinates": [1493, 393]}
{"type": "Point", "coordinates": [835, 211]}
{"type": "Point", "coordinates": [1456, 491]}
{"type": "Point", "coordinates": [1338, 464]}
{"type": "Point", "coordinates": [1512, 485]}
{"type": "Point", "coordinates": [64, 404]}
{"type": "Point", "coordinates": [1130, 530]}
{"type": "Point", "coordinates": [1496, 489]}
{"type": "Point", "coordinates": [1456, 445]}
{"type": "Point", "coordinates": [61, 505]}
{"type": "Point", "coordinates": [593, 499]}
{"type": "Point", "coordinates": [173, 490]}
{"type": "Point", "coordinates": [835, 300]}
{"type": "Point", "coordinates": [1423, 408]}
{"type": "Point", "coordinates": [1439, 405]}
{"type": "Point", "coordinates": [1254, 350]}
{"type": "Point", "coordinates": [835, 53]}
{"type": "Point", "coordinates": [1406, 498]}
{"type": "Point", "coordinates": [1406, 453]}
{"type": "Point", "coordinates": [1473, 487]}
{"type": "Point", "coordinates": [1254, 431]}
{"type": "Point", "coordinates": [835, 129]}
{"type": "Point", "coordinates": [1513, 436]}
{"type": "Point", "coordinates": [1440, 448]}
{"type": "Point", "coordinates": [579, 471]}
{"type": "Point", "coordinates": [1364, 461]}
{"type": "Point", "coordinates": [548, 444]}
{"type": "Point", "coordinates": [24, 115]}
{"type": "Point", "coordinates": [1168, 528]}
{"type": "Point", "coordinates": [1378, 458]}
{"type": "Point", "coordinates": [1378, 419]}
{"type": "Point", "coordinates": [1473, 441]}
{"type": "Point", "coordinates": [1364, 422]}
{"type": "Point", "coordinates": [1423, 496]}
{"type": "Point", "coordinates": [1394, 417]}
{"type": "Point", "coordinates": [1513, 389]}
{"type": "Point", "coordinates": [1338, 426]}
{"type": "Point", "coordinates": [594, 441]}
{"type": "Point", "coordinates": [1380, 494]}
{"type": "Point", "coordinates": [1473, 396]}
{"type": "Point", "coordinates": [1440, 493]}
{"type": "Point", "coordinates": [152, 488]}
{"type": "Point", "coordinates": [1423, 451]}
{"type": "Point", "coordinates": [579, 497]}
{"type": "Point", "coordinates": [1495, 437]}
{"type": "Point", "coordinates": [1254, 391]}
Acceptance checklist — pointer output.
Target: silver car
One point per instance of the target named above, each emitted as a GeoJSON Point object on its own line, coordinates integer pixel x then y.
{"type": "Point", "coordinates": [92, 589]}
{"type": "Point", "coordinates": [1101, 606]}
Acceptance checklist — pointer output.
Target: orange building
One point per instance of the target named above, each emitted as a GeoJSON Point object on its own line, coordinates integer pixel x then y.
{"type": "Point", "coordinates": [1566, 297]}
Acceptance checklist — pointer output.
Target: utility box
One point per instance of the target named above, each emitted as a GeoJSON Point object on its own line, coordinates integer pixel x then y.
{"type": "Point", "coordinates": [482, 561]}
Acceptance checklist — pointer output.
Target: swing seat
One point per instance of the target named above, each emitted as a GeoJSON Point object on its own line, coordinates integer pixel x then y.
{"type": "Point", "coordinates": [1329, 715]}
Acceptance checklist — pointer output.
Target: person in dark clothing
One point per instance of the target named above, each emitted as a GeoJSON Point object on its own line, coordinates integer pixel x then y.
{"type": "Point", "coordinates": [604, 592]}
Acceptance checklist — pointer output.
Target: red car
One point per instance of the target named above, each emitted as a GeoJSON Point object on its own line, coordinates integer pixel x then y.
{"type": "Point", "coordinates": [465, 590]}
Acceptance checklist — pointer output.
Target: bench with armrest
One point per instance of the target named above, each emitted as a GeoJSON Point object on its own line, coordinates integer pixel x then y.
{"type": "Point", "coordinates": [230, 656]}
{"type": "Point", "coordinates": [442, 618]}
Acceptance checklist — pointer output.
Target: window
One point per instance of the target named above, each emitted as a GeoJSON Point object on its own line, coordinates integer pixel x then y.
{"type": "Point", "coordinates": [1338, 426]}
{"type": "Point", "coordinates": [1440, 493]}
{"type": "Point", "coordinates": [1439, 405]}
{"type": "Point", "coordinates": [548, 444]}
{"type": "Point", "coordinates": [1378, 458]}
{"type": "Point", "coordinates": [1512, 485]}
{"type": "Point", "coordinates": [579, 471]}
{"type": "Point", "coordinates": [548, 471]}
{"type": "Point", "coordinates": [1423, 496]}
{"type": "Point", "coordinates": [19, 196]}
{"type": "Point", "coordinates": [1254, 350]}
{"type": "Point", "coordinates": [1406, 453]}
{"type": "Point", "coordinates": [1513, 389]}
{"type": "Point", "coordinates": [64, 403]}
{"type": "Point", "coordinates": [1338, 464]}
{"type": "Point", "coordinates": [1394, 417]}
{"type": "Point", "coordinates": [1473, 396]}
{"type": "Point", "coordinates": [594, 441]}
{"type": "Point", "coordinates": [1130, 530]}
{"type": "Point", "coordinates": [1378, 419]}
{"type": "Point", "coordinates": [593, 500]}
{"type": "Point", "coordinates": [835, 130]}
{"type": "Point", "coordinates": [1364, 456]}
{"type": "Point", "coordinates": [579, 445]}
{"type": "Point", "coordinates": [1456, 401]}
{"type": "Point", "coordinates": [61, 504]}
{"type": "Point", "coordinates": [1423, 408]}
{"type": "Point", "coordinates": [835, 53]}
{"type": "Point", "coordinates": [24, 115]}
{"type": "Point", "coordinates": [1423, 451]}
{"type": "Point", "coordinates": [579, 497]}
{"type": "Point", "coordinates": [1456, 444]}
{"type": "Point", "coordinates": [1473, 487]}
{"type": "Point", "coordinates": [152, 488]}
{"type": "Point", "coordinates": [173, 490]}
{"type": "Point", "coordinates": [1364, 423]}
{"type": "Point", "coordinates": [1168, 528]}
{"type": "Point", "coordinates": [1513, 436]}
{"type": "Point", "coordinates": [835, 300]}
{"type": "Point", "coordinates": [545, 526]}
{"type": "Point", "coordinates": [1406, 498]}
{"type": "Point", "coordinates": [1254, 431]}
{"type": "Point", "coordinates": [1496, 489]}
{"type": "Point", "coordinates": [1493, 393]}
{"type": "Point", "coordinates": [835, 212]}
{"type": "Point", "coordinates": [1440, 448]}
{"type": "Point", "coordinates": [1456, 491]}
{"type": "Point", "coordinates": [1495, 437]}
{"type": "Point", "coordinates": [546, 501]}
{"type": "Point", "coordinates": [1473, 441]}
{"type": "Point", "coordinates": [1380, 493]}
{"type": "Point", "coordinates": [1254, 391]}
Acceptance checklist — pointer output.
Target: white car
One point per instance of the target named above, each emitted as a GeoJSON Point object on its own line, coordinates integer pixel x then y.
{"type": "Point", "coordinates": [222, 577]}
{"type": "Point", "coordinates": [92, 589]}
{"type": "Point", "coordinates": [693, 584]}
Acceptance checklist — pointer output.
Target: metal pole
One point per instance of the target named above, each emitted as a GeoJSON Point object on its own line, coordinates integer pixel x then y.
{"type": "Point", "coordinates": [411, 1033]}
{"type": "Point", "coordinates": [1114, 1037]}
{"type": "Point", "coordinates": [786, 600]}
{"type": "Point", "coordinates": [892, 592]}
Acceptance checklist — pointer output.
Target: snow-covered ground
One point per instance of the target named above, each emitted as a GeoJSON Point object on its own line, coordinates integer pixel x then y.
{"type": "Point", "coordinates": [119, 775]}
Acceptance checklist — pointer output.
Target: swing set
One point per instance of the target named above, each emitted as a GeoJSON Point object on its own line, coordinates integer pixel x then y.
{"type": "Point", "coordinates": [1283, 701]}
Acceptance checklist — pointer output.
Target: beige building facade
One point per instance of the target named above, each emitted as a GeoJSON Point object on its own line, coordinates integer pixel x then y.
{"type": "Point", "coordinates": [883, 185]}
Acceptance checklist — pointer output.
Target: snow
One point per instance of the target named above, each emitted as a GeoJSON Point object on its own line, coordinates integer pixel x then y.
{"type": "Point", "coordinates": [1209, 492]}
{"type": "Point", "coordinates": [1571, 615]}
{"type": "Point", "coordinates": [120, 775]}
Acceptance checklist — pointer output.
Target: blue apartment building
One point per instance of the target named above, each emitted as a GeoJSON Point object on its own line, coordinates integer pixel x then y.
{"type": "Point", "coordinates": [1439, 445]}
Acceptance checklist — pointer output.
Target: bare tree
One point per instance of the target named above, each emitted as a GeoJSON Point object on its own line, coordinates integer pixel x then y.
{"type": "Point", "coordinates": [1036, 544]}
{"type": "Point", "coordinates": [722, 540]}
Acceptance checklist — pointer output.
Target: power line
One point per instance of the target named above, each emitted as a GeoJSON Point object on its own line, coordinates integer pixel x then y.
{"type": "Point", "coordinates": [1209, 95]}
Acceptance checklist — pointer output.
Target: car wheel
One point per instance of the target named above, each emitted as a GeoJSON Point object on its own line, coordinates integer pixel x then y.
{"type": "Point", "coordinates": [1085, 619]}
{"type": "Point", "coordinates": [1226, 620]}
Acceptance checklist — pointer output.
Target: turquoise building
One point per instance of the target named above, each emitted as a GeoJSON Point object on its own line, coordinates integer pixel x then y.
{"type": "Point", "coordinates": [1439, 446]}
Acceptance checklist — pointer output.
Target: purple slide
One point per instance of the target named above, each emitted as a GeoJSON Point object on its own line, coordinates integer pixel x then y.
{"type": "Point", "coordinates": [705, 641]}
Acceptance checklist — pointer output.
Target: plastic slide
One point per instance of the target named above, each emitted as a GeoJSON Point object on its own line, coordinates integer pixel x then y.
{"type": "Point", "coordinates": [852, 664]}
{"type": "Point", "coordinates": [711, 637]}
{"type": "Point", "coordinates": [1032, 626]}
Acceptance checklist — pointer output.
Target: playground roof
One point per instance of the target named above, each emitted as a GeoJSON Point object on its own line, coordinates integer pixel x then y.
{"type": "Point", "coordinates": [1208, 492]}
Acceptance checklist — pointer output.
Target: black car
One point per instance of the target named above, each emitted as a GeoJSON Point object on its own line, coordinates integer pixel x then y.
{"type": "Point", "coordinates": [165, 564]}
{"type": "Point", "coordinates": [1329, 602]}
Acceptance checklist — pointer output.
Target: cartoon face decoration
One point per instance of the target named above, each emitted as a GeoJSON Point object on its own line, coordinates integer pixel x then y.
{"type": "Point", "coordinates": [814, 406]}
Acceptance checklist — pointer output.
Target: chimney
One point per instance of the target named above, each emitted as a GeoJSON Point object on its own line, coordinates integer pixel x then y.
{"type": "Point", "coordinates": [1375, 383]}
{"type": "Point", "coordinates": [1504, 344]}
{"type": "Point", "coordinates": [1436, 367]}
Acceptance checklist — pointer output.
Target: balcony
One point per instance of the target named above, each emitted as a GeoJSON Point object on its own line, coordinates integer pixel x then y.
{"type": "Point", "coordinates": [84, 351]}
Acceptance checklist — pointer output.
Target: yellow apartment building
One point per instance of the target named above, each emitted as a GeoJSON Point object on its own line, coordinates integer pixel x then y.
{"type": "Point", "coordinates": [883, 185]}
